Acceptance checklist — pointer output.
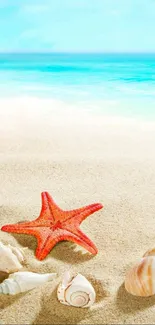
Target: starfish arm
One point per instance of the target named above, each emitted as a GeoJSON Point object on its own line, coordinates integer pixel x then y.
{"type": "Point", "coordinates": [82, 213]}
{"type": "Point", "coordinates": [42, 235]}
{"type": "Point", "coordinates": [46, 243]}
{"type": "Point", "coordinates": [78, 237]}
{"type": "Point", "coordinates": [50, 209]}
{"type": "Point", "coordinates": [21, 229]}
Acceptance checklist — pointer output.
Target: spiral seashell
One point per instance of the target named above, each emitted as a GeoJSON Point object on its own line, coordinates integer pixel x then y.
{"type": "Point", "coordinates": [24, 281]}
{"type": "Point", "coordinates": [140, 280]}
{"type": "Point", "coordinates": [77, 292]}
{"type": "Point", "coordinates": [11, 259]}
{"type": "Point", "coordinates": [150, 252]}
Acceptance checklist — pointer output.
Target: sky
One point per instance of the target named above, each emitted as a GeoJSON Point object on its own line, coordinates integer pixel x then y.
{"type": "Point", "coordinates": [77, 25]}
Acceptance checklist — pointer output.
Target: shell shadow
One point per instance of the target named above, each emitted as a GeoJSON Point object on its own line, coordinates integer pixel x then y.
{"type": "Point", "coordinates": [53, 312]}
{"type": "Point", "coordinates": [64, 251]}
{"type": "Point", "coordinates": [3, 276]}
{"type": "Point", "coordinates": [7, 300]}
{"type": "Point", "coordinates": [128, 303]}
{"type": "Point", "coordinates": [100, 288]}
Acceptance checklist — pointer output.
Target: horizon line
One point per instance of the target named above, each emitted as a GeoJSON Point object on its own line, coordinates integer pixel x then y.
{"type": "Point", "coordinates": [77, 52]}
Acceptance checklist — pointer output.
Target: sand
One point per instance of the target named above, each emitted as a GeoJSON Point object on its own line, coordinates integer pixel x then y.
{"type": "Point", "coordinates": [80, 158]}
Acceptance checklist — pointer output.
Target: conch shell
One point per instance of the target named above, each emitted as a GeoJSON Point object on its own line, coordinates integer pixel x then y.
{"type": "Point", "coordinates": [11, 258]}
{"type": "Point", "coordinates": [77, 291]}
{"type": "Point", "coordinates": [24, 281]}
{"type": "Point", "coordinates": [140, 280]}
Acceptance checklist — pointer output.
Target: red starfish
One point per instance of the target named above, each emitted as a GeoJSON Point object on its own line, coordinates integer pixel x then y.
{"type": "Point", "coordinates": [54, 225]}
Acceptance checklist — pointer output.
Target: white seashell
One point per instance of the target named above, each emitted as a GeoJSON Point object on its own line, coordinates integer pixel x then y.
{"type": "Point", "coordinates": [11, 258]}
{"type": "Point", "coordinates": [24, 281]}
{"type": "Point", "coordinates": [140, 280]}
{"type": "Point", "coordinates": [77, 292]}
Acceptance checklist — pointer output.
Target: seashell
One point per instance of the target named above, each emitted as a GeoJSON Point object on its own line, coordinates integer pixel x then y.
{"type": "Point", "coordinates": [150, 252]}
{"type": "Point", "coordinates": [76, 291]}
{"type": "Point", "coordinates": [24, 281]}
{"type": "Point", "coordinates": [140, 280]}
{"type": "Point", "coordinates": [11, 258]}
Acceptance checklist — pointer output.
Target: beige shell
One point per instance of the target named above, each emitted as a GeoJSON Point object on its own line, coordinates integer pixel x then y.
{"type": "Point", "coordinates": [140, 280]}
{"type": "Point", "coordinates": [150, 252]}
{"type": "Point", "coordinates": [11, 258]}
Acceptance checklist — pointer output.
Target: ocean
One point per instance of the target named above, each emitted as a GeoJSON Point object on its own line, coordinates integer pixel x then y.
{"type": "Point", "coordinates": [115, 84]}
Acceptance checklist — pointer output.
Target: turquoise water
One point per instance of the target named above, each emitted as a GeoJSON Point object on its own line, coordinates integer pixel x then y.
{"type": "Point", "coordinates": [113, 83]}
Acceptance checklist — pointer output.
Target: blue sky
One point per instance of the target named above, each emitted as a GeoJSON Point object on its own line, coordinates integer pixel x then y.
{"type": "Point", "coordinates": [77, 25]}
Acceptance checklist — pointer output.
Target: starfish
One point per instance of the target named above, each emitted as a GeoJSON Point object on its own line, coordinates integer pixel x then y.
{"type": "Point", "coordinates": [54, 225]}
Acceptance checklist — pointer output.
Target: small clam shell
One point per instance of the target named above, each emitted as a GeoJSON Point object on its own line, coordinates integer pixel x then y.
{"type": "Point", "coordinates": [140, 280]}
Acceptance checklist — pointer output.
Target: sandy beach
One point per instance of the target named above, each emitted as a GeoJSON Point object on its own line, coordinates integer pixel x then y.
{"type": "Point", "coordinates": [80, 158]}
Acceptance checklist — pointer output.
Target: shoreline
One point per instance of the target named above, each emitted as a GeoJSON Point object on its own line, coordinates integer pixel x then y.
{"type": "Point", "coordinates": [61, 104]}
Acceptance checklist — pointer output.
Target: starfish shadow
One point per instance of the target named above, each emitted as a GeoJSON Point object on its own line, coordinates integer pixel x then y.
{"type": "Point", "coordinates": [64, 251]}
{"type": "Point", "coordinates": [70, 253]}
{"type": "Point", "coordinates": [131, 304]}
{"type": "Point", "coordinates": [26, 240]}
